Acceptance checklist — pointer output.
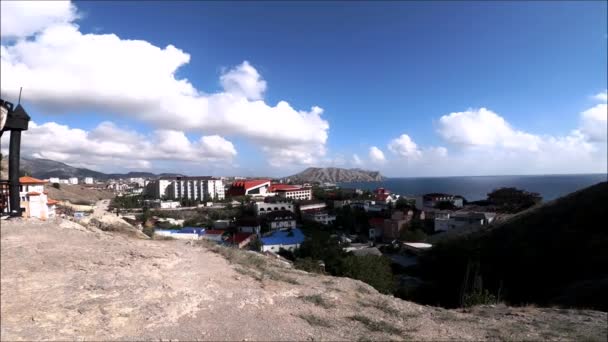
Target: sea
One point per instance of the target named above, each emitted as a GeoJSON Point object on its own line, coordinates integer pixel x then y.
{"type": "Point", "coordinates": [474, 188]}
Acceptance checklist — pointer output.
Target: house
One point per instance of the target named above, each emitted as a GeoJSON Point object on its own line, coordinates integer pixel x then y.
{"type": "Point", "coordinates": [281, 219]}
{"type": "Point", "coordinates": [249, 225]}
{"type": "Point", "coordinates": [273, 204]}
{"type": "Point", "coordinates": [240, 240]}
{"type": "Point", "coordinates": [157, 203]}
{"type": "Point", "coordinates": [199, 188]}
{"type": "Point", "coordinates": [73, 180]}
{"type": "Point", "coordinates": [88, 180]}
{"type": "Point", "coordinates": [384, 196]}
{"type": "Point", "coordinates": [446, 220]}
{"type": "Point", "coordinates": [295, 192]}
{"type": "Point", "coordinates": [53, 180]}
{"type": "Point", "coordinates": [186, 233]}
{"type": "Point", "coordinates": [34, 200]}
{"type": "Point", "coordinates": [214, 235]}
{"type": "Point", "coordinates": [376, 228]}
{"type": "Point", "coordinates": [392, 227]}
{"type": "Point", "coordinates": [254, 188]}
{"type": "Point", "coordinates": [319, 216]}
{"type": "Point", "coordinates": [432, 199]}
{"type": "Point", "coordinates": [284, 239]}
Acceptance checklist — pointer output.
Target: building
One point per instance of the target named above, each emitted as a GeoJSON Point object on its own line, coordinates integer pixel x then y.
{"type": "Point", "coordinates": [376, 228]}
{"type": "Point", "coordinates": [53, 180]}
{"type": "Point", "coordinates": [281, 219]}
{"type": "Point", "coordinates": [445, 220]}
{"type": "Point", "coordinates": [294, 192]}
{"type": "Point", "coordinates": [186, 233]}
{"type": "Point", "coordinates": [384, 196]}
{"type": "Point", "coordinates": [341, 203]}
{"type": "Point", "coordinates": [33, 199]}
{"type": "Point", "coordinates": [214, 235]}
{"type": "Point", "coordinates": [392, 227]}
{"type": "Point", "coordinates": [320, 217]}
{"type": "Point", "coordinates": [221, 224]}
{"type": "Point", "coordinates": [312, 205]}
{"type": "Point", "coordinates": [273, 204]}
{"type": "Point", "coordinates": [88, 180]}
{"type": "Point", "coordinates": [162, 204]}
{"type": "Point", "coordinates": [192, 188]}
{"type": "Point", "coordinates": [240, 240]}
{"type": "Point", "coordinates": [432, 199]}
{"type": "Point", "coordinates": [253, 187]}
{"type": "Point", "coordinates": [73, 180]}
{"type": "Point", "coordinates": [249, 225]}
{"type": "Point", "coordinates": [285, 239]}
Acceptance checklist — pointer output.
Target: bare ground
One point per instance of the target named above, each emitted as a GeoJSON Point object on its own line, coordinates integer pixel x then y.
{"type": "Point", "coordinates": [61, 281]}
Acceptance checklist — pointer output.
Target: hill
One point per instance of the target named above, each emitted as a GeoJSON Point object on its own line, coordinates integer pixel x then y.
{"type": "Point", "coordinates": [333, 175]}
{"type": "Point", "coordinates": [67, 282]}
{"type": "Point", "coordinates": [46, 168]}
{"type": "Point", "coordinates": [554, 254]}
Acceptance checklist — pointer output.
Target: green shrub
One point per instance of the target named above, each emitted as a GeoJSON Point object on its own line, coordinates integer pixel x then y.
{"type": "Point", "coordinates": [483, 297]}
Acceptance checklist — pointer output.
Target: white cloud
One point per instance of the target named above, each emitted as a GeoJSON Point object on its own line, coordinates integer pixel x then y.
{"type": "Point", "coordinates": [404, 146]}
{"type": "Point", "coordinates": [108, 147]}
{"type": "Point", "coordinates": [482, 127]}
{"type": "Point", "coordinates": [23, 18]}
{"type": "Point", "coordinates": [594, 122]}
{"type": "Point", "coordinates": [135, 79]}
{"type": "Point", "coordinates": [356, 160]}
{"type": "Point", "coordinates": [603, 96]}
{"type": "Point", "coordinates": [376, 155]}
{"type": "Point", "coordinates": [244, 80]}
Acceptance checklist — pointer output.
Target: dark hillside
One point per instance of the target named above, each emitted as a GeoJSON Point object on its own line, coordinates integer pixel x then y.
{"type": "Point", "coordinates": [556, 254]}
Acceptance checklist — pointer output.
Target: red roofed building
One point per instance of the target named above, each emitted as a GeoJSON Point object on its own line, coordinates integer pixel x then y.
{"type": "Point", "coordinates": [241, 240]}
{"type": "Point", "coordinates": [294, 192]}
{"type": "Point", "coordinates": [384, 196]}
{"type": "Point", "coordinates": [33, 199]}
{"type": "Point", "coordinates": [254, 187]}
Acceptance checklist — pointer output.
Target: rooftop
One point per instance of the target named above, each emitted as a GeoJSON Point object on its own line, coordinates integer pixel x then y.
{"type": "Point", "coordinates": [284, 237]}
{"type": "Point", "coordinates": [31, 180]}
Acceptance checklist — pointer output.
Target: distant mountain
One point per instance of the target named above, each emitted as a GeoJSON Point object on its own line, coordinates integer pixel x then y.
{"type": "Point", "coordinates": [46, 168]}
{"type": "Point", "coordinates": [334, 174]}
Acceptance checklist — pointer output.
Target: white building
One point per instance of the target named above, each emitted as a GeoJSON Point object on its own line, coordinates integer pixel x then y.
{"type": "Point", "coordinates": [445, 220]}
{"type": "Point", "coordinates": [253, 188]}
{"type": "Point", "coordinates": [295, 192]}
{"type": "Point", "coordinates": [73, 180]}
{"type": "Point", "coordinates": [312, 205]}
{"type": "Point", "coordinates": [272, 204]}
{"type": "Point", "coordinates": [431, 200]}
{"type": "Point", "coordinates": [281, 219]}
{"type": "Point", "coordinates": [194, 188]}
{"type": "Point", "coordinates": [54, 180]}
{"type": "Point", "coordinates": [33, 198]}
{"type": "Point", "coordinates": [88, 180]}
{"type": "Point", "coordinates": [162, 204]}
{"type": "Point", "coordinates": [287, 240]}
{"type": "Point", "coordinates": [320, 217]}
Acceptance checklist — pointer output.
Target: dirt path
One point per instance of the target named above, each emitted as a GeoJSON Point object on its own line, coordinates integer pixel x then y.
{"type": "Point", "coordinates": [64, 282]}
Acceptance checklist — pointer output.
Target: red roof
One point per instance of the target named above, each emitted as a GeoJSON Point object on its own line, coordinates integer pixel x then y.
{"type": "Point", "coordinates": [381, 197]}
{"type": "Point", "coordinates": [33, 193]}
{"type": "Point", "coordinates": [31, 180]}
{"type": "Point", "coordinates": [382, 191]}
{"type": "Point", "coordinates": [215, 232]}
{"type": "Point", "coordinates": [239, 237]}
{"type": "Point", "coordinates": [376, 222]}
{"type": "Point", "coordinates": [240, 187]}
{"type": "Point", "coordinates": [52, 202]}
{"type": "Point", "coordinates": [283, 187]}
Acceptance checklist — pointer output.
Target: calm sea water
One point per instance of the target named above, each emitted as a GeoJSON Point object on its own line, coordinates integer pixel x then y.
{"type": "Point", "coordinates": [476, 188]}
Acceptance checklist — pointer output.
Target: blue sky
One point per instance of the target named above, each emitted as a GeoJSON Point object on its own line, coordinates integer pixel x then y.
{"type": "Point", "coordinates": [378, 70]}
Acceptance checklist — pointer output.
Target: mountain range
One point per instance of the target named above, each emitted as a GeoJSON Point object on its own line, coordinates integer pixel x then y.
{"type": "Point", "coordinates": [334, 174]}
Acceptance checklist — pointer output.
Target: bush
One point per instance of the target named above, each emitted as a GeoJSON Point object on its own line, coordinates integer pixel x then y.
{"type": "Point", "coordinates": [308, 265]}
{"type": "Point", "coordinates": [56, 186]}
{"type": "Point", "coordinates": [373, 270]}
{"type": "Point", "coordinates": [483, 297]}
{"type": "Point", "coordinates": [148, 231]}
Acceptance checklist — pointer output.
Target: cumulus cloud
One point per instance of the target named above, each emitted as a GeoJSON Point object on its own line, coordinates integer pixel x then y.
{"type": "Point", "coordinates": [109, 147]}
{"type": "Point", "coordinates": [376, 155]}
{"type": "Point", "coordinates": [404, 146]}
{"type": "Point", "coordinates": [136, 79]}
{"type": "Point", "coordinates": [24, 18]}
{"type": "Point", "coordinates": [594, 122]}
{"type": "Point", "coordinates": [603, 96]}
{"type": "Point", "coordinates": [483, 127]}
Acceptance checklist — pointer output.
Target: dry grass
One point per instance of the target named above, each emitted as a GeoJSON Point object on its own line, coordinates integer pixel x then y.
{"type": "Point", "coordinates": [382, 305]}
{"type": "Point", "coordinates": [315, 320]}
{"type": "Point", "coordinates": [318, 300]}
{"type": "Point", "coordinates": [376, 326]}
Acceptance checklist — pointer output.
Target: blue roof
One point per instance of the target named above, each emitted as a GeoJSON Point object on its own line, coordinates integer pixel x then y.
{"type": "Point", "coordinates": [281, 238]}
{"type": "Point", "coordinates": [185, 230]}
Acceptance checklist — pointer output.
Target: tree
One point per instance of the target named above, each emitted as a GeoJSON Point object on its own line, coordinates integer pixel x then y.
{"type": "Point", "coordinates": [512, 200]}
{"type": "Point", "coordinates": [373, 270]}
{"type": "Point", "coordinates": [412, 235]}
{"type": "Point", "coordinates": [56, 186]}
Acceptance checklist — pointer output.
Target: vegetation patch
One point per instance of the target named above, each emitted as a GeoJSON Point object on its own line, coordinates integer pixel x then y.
{"type": "Point", "coordinates": [315, 320]}
{"type": "Point", "coordinates": [377, 326]}
{"type": "Point", "coordinates": [382, 305]}
{"type": "Point", "coordinates": [318, 300]}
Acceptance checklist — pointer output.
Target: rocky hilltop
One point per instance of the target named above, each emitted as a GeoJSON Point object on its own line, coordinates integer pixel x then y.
{"type": "Point", "coordinates": [63, 281]}
{"type": "Point", "coordinates": [334, 174]}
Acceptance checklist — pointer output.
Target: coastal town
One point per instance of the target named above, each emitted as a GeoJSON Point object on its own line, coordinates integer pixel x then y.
{"type": "Point", "coordinates": [271, 216]}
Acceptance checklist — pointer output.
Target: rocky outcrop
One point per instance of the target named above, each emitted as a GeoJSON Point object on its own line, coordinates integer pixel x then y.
{"type": "Point", "coordinates": [334, 175]}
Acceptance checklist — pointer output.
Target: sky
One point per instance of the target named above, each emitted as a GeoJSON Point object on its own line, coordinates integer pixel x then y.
{"type": "Point", "coordinates": [269, 88]}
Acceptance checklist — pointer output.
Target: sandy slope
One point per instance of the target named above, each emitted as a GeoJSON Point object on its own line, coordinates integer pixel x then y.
{"type": "Point", "coordinates": [62, 281]}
